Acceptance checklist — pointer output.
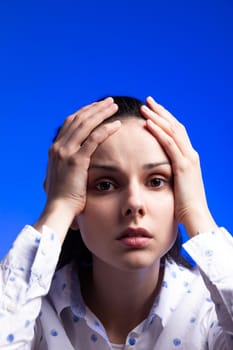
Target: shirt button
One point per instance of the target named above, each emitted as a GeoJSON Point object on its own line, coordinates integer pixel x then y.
{"type": "Point", "coordinates": [132, 341]}
{"type": "Point", "coordinates": [11, 307]}
{"type": "Point", "coordinates": [43, 251]}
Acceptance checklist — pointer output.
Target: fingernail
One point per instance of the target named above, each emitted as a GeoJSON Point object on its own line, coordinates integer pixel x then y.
{"type": "Point", "coordinates": [149, 122]}
{"type": "Point", "coordinates": [113, 106]}
{"type": "Point", "coordinates": [109, 99]}
{"type": "Point", "coordinates": [115, 125]}
{"type": "Point", "coordinates": [150, 98]}
{"type": "Point", "coordinates": [145, 108]}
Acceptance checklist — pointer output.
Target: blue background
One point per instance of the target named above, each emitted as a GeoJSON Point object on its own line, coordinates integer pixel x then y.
{"type": "Point", "coordinates": [56, 56]}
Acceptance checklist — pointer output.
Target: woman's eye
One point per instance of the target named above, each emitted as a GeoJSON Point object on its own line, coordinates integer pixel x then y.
{"type": "Point", "coordinates": [104, 186]}
{"type": "Point", "coordinates": [156, 182]}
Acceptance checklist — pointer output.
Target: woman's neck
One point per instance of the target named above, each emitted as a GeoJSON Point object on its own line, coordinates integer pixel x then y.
{"type": "Point", "coordinates": [122, 299]}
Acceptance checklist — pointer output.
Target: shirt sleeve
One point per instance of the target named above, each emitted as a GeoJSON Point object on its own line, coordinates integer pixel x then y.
{"type": "Point", "coordinates": [25, 277]}
{"type": "Point", "coordinates": [213, 253]}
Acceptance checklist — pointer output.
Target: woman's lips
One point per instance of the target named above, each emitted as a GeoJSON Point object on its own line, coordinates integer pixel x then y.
{"type": "Point", "coordinates": [135, 237]}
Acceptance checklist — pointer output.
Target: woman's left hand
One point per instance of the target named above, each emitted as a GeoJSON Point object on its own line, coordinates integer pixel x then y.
{"type": "Point", "coordinates": [191, 208]}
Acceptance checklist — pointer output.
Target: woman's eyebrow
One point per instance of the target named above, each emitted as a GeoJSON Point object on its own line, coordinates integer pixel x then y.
{"type": "Point", "coordinates": [156, 164]}
{"type": "Point", "coordinates": [104, 167]}
{"type": "Point", "coordinates": [113, 168]}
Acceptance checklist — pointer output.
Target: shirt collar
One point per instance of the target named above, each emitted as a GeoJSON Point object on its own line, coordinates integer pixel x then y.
{"type": "Point", "coordinates": [176, 282]}
{"type": "Point", "coordinates": [65, 292]}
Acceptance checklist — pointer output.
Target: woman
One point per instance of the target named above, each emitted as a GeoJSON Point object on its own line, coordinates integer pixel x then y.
{"type": "Point", "coordinates": [122, 175]}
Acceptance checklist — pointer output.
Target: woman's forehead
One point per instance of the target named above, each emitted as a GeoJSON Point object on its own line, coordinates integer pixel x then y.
{"type": "Point", "coordinates": [131, 140]}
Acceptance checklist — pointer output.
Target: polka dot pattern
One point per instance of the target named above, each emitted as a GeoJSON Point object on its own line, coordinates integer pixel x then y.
{"type": "Point", "coordinates": [10, 338]}
{"type": "Point", "coordinates": [94, 338]}
{"type": "Point", "coordinates": [176, 342]}
{"type": "Point", "coordinates": [54, 333]}
{"type": "Point", "coordinates": [132, 341]}
{"type": "Point", "coordinates": [173, 321]}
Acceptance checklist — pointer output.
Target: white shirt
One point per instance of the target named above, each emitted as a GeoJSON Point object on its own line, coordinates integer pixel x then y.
{"type": "Point", "coordinates": [43, 311]}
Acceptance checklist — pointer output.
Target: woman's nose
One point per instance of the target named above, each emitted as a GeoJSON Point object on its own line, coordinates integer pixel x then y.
{"type": "Point", "coordinates": [133, 204]}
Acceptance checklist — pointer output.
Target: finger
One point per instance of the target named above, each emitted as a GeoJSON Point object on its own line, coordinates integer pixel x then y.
{"type": "Point", "coordinates": [80, 125]}
{"type": "Point", "coordinates": [167, 143]}
{"type": "Point", "coordinates": [80, 131]}
{"type": "Point", "coordinates": [160, 110]}
{"type": "Point", "coordinates": [157, 119]}
{"type": "Point", "coordinates": [172, 127]}
{"type": "Point", "coordinates": [97, 137]}
{"type": "Point", "coordinates": [80, 114]}
{"type": "Point", "coordinates": [69, 120]}
{"type": "Point", "coordinates": [157, 113]}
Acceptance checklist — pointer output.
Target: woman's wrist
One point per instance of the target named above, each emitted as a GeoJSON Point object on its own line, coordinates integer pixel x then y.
{"type": "Point", "coordinates": [58, 217]}
{"type": "Point", "coordinates": [201, 221]}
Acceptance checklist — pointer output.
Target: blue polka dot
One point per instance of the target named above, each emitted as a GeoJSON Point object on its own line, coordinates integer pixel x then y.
{"type": "Point", "coordinates": [52, 237]}
{"type": "Point", "coordinates": [209, 252]}
{"type": "Point", "coordinates": [176, 342]}
{"type": "Point", "coordinates": [37, 240]}
{"type": "Point", "coordinates": [76, 318]}
{"type": "Point", "coordinates": [94, 337]}
{"type": "Point", "coordinates": [193, 320]}
{"type": "Point", "coordinates": [164, 284]}
{"type": "Point", "coordinates": [132, 341]}
{"type": "Point", "coordinates": [53, 333]}
{"type": "Point", "coordinates": [174, 274]}
{"type": "Point", "coordinates": [152, 319]}
{"type": "Point", "coordinates": [10, 338]}
{"type": "Point", "coordinates": [209, 300]}
{"type": "Point", "coordinates": [97, 325]}
{"type": "Point", "coordinates": [27, 323]}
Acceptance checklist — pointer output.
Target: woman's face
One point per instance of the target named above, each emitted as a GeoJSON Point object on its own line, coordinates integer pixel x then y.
{"type": "Point", "coordinates": [128, 221]}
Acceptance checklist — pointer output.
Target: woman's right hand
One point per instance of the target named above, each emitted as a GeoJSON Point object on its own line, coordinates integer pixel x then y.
{"type": "Point", "coordinates": [69, 159]}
